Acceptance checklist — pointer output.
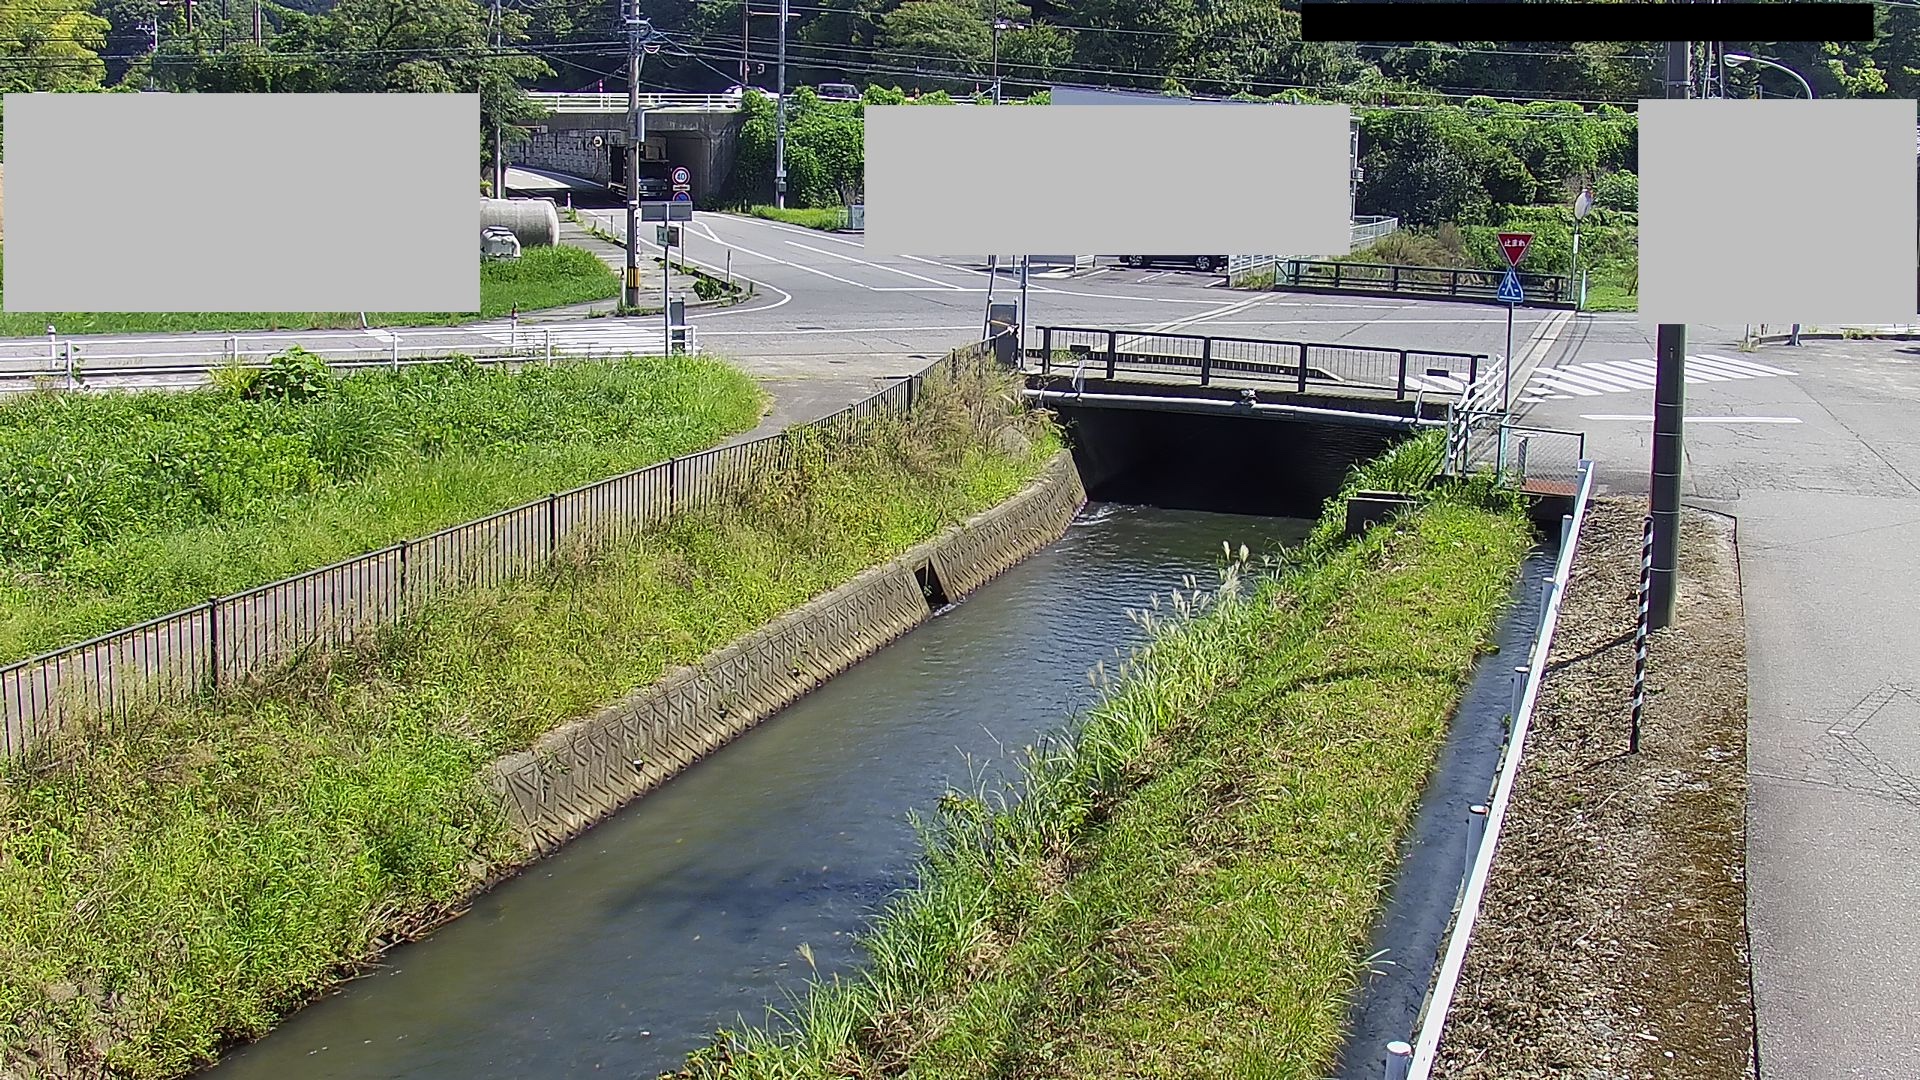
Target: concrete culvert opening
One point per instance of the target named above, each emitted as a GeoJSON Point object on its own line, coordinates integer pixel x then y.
{"type": "Point", "coordinates": [931, 587]}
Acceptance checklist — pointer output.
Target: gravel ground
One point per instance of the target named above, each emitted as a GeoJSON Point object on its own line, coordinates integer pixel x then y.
{"type": "Point", "coordinates": [1612, 940]}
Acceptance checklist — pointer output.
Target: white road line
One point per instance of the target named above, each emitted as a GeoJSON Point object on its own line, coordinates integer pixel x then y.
{"type": "Point", "coordinates": [803, 231]}
{"type": "Point", "coordinates": [838, 330]}
{"type": "Point", "coordinates": [874, 265]}
{"type": "Point", "coordinates": [1702, 419]}
{"type": "Point", "coordinates": [1648, 378]}
{"type": "Point", "coordinates": [1747, 364]}
{"type": "Point", "coordinates": [1724, 369]}
{"type": "Point", "coordinates": [1568, 385]}
{"type": "Point", "coordinates": [1575, 375]}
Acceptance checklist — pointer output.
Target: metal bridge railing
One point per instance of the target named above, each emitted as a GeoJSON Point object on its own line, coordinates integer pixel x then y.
{"type": "Point", "coordinates": [617, 103]}
{"type": "Point", "coordinates": [1299, 366]}
{"type": "Point", "coordinates": [1459, 282]}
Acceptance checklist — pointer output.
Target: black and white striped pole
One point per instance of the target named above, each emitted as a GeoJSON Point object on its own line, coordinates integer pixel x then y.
{"type": "Point", "coordinates": [1640, 635]}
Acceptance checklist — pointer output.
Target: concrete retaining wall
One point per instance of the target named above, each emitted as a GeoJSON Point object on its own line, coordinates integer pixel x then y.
{"type": "Point", "coordinates": [579, 774]}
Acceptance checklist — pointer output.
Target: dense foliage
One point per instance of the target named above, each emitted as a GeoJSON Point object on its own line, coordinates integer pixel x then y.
{"type": "Point", "coordinates": [119, 507]}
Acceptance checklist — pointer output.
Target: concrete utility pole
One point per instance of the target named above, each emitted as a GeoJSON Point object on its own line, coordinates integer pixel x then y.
{"type": "Point", "coordinates": [637, 30]}
{"type": "Point", "coordinates": [1669, 409]}
{"type": "Point", "coordinates": [499, 135]}
{"type": "Point", "coordinates": [259, 36]}
{"type": "Point", "coordinates": [780, 120]}
{"type": "Point", "coordinates": [999, 24]}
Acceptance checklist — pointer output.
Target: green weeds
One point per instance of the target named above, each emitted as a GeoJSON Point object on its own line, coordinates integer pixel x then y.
{"type": "Point", "coordinates": [186, 877]}
{"type": "Point", "coordinates": [543, 277]}
{"type": "Point", "coordinates": [115, 508]}
{"type": "Point", "coordinates": [828, 218]}
{"type": "Point", "coordinates": [1183, 885]}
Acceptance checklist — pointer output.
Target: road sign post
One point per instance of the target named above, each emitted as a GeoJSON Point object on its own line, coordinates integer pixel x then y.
{"type": "Point", "coordinates": [1514, 246]}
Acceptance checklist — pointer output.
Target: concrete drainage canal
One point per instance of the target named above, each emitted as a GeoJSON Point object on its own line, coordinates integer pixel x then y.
{"type": "Point", "coordinates": [688, 910]}
{"type": "Point", "coordinates": [733, 883]}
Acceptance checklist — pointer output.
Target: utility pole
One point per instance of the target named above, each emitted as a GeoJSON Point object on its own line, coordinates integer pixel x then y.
{"type": "Point", "coordinates": [999, 24]}
{"type": "Point", "coordinates": [259, 36]}
{"type": "Point", "coordinates": [499, 139]}
{"type": "Point", "coordinates": [780, 120]}
{"type": "Point", "coordinates": [746, 40]}
{"type": "Point", "coordinates": [1669, 410]}
{"type": "Point", "coordinates": [637, 29]}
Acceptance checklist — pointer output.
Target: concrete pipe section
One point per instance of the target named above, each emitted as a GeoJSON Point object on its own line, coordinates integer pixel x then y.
{"type": "Point", "coordinates": [535, 222]}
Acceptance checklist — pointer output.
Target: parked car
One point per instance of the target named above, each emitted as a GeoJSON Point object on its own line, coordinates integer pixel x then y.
{"type": "Point", "coordinates": [1202, 263]}
{"type": "Point", "coordinates": [837, 91]}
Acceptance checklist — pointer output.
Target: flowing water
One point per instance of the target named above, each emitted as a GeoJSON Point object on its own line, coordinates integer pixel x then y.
{"type": "Point", "coordinates": [688, 911]}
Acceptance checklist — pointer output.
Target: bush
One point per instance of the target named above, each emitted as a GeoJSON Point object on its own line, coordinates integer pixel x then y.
{"type": "Point", "coordinates": [1617, 191]}
{"type": "Point", "coordinates": [294, 375]}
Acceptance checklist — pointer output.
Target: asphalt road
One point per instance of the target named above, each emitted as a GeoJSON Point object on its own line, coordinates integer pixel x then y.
{"type": "Point", "coordinates": [826, 309]}
{"type": "Point", "coordinates": [1815, 452]}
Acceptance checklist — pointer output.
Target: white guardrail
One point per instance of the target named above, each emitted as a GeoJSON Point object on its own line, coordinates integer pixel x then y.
{"type": "Point", "coordinates": [164, 362]}
{"type": "Point", "coordinates": [1424, 1052]}
{"type": "Point", "coordinates": [617, 103]}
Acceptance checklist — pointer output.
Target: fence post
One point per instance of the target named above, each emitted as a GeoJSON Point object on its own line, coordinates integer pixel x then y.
{"type": "Point", "coordinates": [1473, 368]}
{"type": "Point", "coordinates": [400, 605]}
{"type": "Point", "coordinates": [1453, 286]}
{"type": "Point", "coordinates": [1113, 353]}
{"type": "Point", "coordinates": [1476, 834]}
{"type": "Point", "coordinates": [393, 343]}
{"type": "Point", "coordinates": [1046, 348]}
{"type": "Point", "coordinates": [213, 643]}
{"type": "Point", "coordinates": [70, 378]}
{"type": "Point", "coordinates": [1302, 366]}
{"type": "Point", "coordinates": [1401, 393]}
{"type": "Point", "coordinates": [1640, 635]}
{"type": "Point", "coordinates": [547, 333]}
{"type": "Point", "coordinates": [1206, 361]}
{"type": "Point", "coordinates": [1396, 279]}
{"type": "Point", "coordinates": [1399, 1060]}
{"type": "Point", "coordinates": [553, 525]}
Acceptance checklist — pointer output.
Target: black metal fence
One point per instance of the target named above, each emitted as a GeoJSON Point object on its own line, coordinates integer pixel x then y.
{"type": "Point", "coordinates": [228, 639]}
{"type": "Point", "coordinates": [1299, 366]}
{"type": "Point", "coordinates": [1458, 283]}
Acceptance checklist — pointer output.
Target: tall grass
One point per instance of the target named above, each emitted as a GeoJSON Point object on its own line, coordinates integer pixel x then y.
{"type": "Point", "coordinates": [1182, 884]}
{"type": "Point", "coordinates": [115, 508]}
{"type": "Point", "coordinates": [190, 879]}
{"type": "Point", "coordinates": [543, 277]}
{"type": "Point", "coordinates": [827, 218]}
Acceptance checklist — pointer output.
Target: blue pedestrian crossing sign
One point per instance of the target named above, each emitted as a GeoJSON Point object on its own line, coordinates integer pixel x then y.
{"type": "Point", "coordinates": [1510, 291]}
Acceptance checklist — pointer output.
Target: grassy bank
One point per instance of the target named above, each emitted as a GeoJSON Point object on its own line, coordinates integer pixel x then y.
{"type": "Point", "coordinates": [828, 218]}
{"type": "Point", "coordinates": [1609, 250]}
{"type": "Point", "coordinates": [115, 508]}
{"type": "Point", "coordinates": [166, 889]}
{"type": "Point", "coordinates": [543, 277]}
{"type": "Point", "coordinates": [1185, 884]}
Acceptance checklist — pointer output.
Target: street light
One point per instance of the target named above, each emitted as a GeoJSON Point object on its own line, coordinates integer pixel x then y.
{"type": "Point", "coordinates": [1743, 58]}
{"type": "Point", "coordinates": [1000, 24]}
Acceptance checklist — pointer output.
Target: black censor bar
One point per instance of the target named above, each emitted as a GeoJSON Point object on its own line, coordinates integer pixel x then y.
{"type": "Point", "coordinates": [1508, 23]}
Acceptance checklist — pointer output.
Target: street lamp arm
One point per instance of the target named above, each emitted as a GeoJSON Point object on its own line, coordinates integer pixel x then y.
{"type": "Point", "coordinates": [1743, 58]}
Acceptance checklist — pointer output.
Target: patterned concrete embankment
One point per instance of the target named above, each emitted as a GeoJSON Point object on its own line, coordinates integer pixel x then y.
{"type": "Point", "coordinates": [577, 775]}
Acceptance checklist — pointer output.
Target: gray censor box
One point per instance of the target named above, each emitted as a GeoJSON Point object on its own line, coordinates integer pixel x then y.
{"type": "Point", "coordinates": [666, 211]}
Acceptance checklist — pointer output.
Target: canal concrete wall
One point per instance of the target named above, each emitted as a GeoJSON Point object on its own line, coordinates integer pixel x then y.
{"type": "Point", "coordinates": [578, 774]}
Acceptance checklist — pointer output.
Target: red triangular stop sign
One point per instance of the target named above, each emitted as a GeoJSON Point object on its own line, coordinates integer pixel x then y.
{"type": "Point", "coordinates": [1514, 245]}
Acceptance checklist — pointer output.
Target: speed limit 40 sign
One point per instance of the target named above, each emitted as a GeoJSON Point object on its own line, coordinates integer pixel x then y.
{"type": "Point", "coordinates": [681, 177]}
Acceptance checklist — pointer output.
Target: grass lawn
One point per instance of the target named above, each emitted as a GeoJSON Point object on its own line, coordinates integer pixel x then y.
{"type": "Point", "coordinates": [190, 877]}
{"type": "Point", "coordinates": [544, 277]}
{"type": "Point", "coordinates": [828, 218]}
{"type": "Point", "coordinates": [117, 508]}
{"type": "Point", "coordinates": [1186, 885]}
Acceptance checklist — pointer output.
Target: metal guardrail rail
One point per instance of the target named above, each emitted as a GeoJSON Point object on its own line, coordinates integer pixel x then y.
{"type": "Point", "coordinates": [562, 103]}
{"type": "Point", "coordinates": [68, 366]}
{"type": "Point", "coordinates": [1416, 1061]}
{"type": "Point", "coordinates": [1299, 366]}
{"type": "Point", "coordinates": [1366, 230]}
{"type": "Point", "coordinates": [228, 639]}
{"type": "Point", "coordinates": [1417, 280]}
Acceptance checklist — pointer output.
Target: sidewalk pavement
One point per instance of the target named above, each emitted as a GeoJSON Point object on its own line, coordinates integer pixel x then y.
{"type": "Point", "coordinates": [1827, 511]}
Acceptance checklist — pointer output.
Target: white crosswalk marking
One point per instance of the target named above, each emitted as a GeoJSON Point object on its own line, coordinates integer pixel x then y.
{"type": "Point", "coordinates": [1621, 376]}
